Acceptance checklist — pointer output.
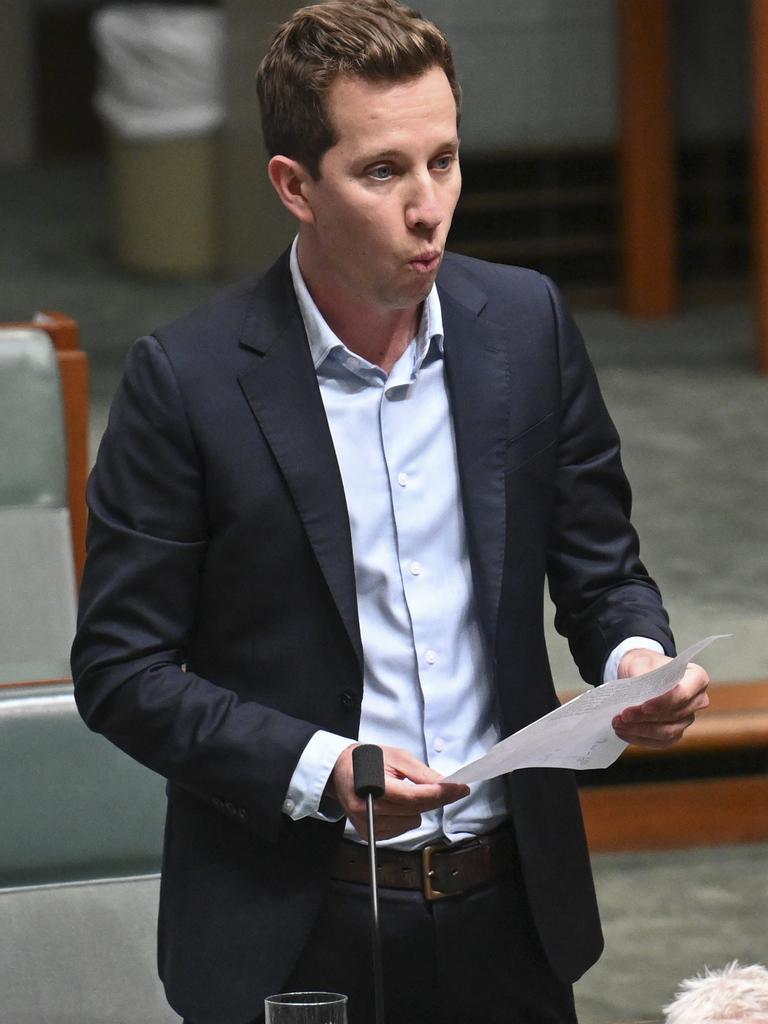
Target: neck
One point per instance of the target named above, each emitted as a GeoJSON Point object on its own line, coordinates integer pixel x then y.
{"type": "Point", "coordinates": [378, 334]}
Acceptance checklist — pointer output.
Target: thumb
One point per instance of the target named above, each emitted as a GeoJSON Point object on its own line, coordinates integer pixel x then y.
{"type": "Point", "coordinates": [403, 765]}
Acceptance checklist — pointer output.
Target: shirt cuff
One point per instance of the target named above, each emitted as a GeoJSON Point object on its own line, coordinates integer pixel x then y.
{"type": "Point", "coordinates": [310, 776]}
{"type": "Point", "coordinates": [611, 670]}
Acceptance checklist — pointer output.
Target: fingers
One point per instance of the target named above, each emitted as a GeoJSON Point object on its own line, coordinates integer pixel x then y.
{"type": "Point", "coordinates": [662, 710]}
{"type": "Point", "coordinates": [662, 721]}
{"type": "Point", "coordinates": [411, 788]}
{"type": "Point", "coordinates": [688, 697]}
{"type": "Point", "coordinates": [403, 798]}
{"type": "Point", "coordinates": [652, 734]}
{"type": "Point", "coordinates": [413, 785]}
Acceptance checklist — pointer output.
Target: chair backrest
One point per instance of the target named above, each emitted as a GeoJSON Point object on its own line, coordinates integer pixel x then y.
{"type": "Point", "coordinates": [79, 854]}
{"type": "Point", "coordinates": [73, 379]}
{"type": "Point", "coordinates": [74, 806]}
{"type": "Point", "coordinates": [43, 465]}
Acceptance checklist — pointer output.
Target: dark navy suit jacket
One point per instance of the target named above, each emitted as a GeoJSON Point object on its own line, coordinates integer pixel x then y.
{"type": "Point", "coordinates": [218, 625]}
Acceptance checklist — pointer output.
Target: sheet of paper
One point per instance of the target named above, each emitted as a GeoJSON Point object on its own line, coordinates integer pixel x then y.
{"type": "Point", "coordinates": [579, 734]}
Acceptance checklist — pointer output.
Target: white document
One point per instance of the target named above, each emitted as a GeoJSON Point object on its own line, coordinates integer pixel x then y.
{"type": "Point", "coordinates": [579, 734]}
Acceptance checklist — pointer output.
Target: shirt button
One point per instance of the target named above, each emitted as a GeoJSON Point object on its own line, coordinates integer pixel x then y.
{"type": "Point", "coordinates": [289, 806]}
{"type": "Point", "coordinates": [431, 657]}
{"type": "Point", "coordinates": [402, 479]}
{"type": "Point", "coordinates": [415, 568]}
{"type": "Point", "coordinates": [438, 744]}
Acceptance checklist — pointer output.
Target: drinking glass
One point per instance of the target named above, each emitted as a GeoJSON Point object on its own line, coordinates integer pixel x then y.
{"type": "Point", "coordinates": [306, 1008]}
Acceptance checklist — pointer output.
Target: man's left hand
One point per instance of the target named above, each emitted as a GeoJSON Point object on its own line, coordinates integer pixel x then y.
{"type": "Point", "coordinates": [662, 721]}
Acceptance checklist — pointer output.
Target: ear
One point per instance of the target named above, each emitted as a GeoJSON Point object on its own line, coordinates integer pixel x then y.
{"type": "Point", "coordinates": [290, 180]}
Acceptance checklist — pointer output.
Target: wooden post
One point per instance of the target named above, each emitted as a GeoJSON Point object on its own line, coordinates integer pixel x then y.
{"type": "Point", "coordinates": [73, 368]}
{"type": "Point", "coordinates": [73, 373]}
{"type": "Point", "coordinates": [647, 156]}
{"type": "Point", "coordinates": [759, 36]}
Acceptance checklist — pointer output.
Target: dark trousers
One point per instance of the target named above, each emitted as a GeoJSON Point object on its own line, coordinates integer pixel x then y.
{"type": "Point", "coordinates": [469, 959]}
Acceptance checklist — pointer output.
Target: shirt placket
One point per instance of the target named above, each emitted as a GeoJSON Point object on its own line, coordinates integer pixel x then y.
{"type": "Point", "coordinates": [408, 418]}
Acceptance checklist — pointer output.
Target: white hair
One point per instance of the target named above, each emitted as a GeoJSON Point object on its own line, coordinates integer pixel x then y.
{"type": "Point", "coordinates": [731, 995]}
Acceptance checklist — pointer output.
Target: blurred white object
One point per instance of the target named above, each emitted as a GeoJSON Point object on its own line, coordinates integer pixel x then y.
{"type": "Point", "coordinates": [731, 995]}
{"type": "Point", "coordinates": [160, 69]}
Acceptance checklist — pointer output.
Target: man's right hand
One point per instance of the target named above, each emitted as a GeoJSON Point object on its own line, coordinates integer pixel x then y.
{"type": "Point", "coordinates": [410, 789]}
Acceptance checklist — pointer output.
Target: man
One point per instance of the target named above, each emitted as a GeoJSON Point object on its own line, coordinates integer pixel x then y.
{"type": "Point", "coordinates": [324, 509]}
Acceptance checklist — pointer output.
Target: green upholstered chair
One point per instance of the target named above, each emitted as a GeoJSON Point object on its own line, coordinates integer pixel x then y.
{"type": "Point", "coordinates": [80, 823]}
{"type": "Point", "coordinates": [37, 571]}
{"type": "Point", "coordinates": [80, 850]}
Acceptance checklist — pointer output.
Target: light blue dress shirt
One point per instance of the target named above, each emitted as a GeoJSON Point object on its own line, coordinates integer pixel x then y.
{"type": "Point", "coordinates": [427, 686]}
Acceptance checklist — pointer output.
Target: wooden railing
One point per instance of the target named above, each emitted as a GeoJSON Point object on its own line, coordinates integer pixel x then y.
{"type": "Point", "coordinates": [709, 807]}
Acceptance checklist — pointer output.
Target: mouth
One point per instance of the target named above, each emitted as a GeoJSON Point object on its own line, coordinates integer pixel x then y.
{"type": "Point", "coordinates": [426, 262]}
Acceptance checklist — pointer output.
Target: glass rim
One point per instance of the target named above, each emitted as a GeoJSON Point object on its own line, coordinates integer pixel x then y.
{"type": "Point", "coordinates": [301, 998]}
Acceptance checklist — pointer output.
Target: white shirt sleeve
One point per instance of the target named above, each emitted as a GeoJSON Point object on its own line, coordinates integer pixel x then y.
{"type": "Point", "coordinates": [611, 670]}
{"type": "Point", "coordinates": [310, 776]}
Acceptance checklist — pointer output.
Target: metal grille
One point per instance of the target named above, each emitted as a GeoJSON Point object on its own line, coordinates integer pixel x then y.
{"type": "Point", "coordinates": [560, 213]}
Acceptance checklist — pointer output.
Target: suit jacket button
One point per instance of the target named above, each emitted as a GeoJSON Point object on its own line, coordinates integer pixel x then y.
{"type": "Point", "coordinates": [242, 814]}
{"type": "Point", "coordinates": [231, 809]}
{"type": "Point", "coordinates": [348, 700]}
{"type": "Point", "coordinates": [217, 802]}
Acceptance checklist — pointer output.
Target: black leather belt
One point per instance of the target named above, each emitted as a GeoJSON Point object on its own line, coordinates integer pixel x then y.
{"type": "Point", "coordinates": [440, 870]}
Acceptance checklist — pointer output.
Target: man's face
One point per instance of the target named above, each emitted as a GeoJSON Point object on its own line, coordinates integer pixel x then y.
{"type": "Point", "coordinates": [387, 191]}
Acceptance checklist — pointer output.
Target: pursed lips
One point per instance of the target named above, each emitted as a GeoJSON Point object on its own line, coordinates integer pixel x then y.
{"type": "Point", "coordinates": [426, 261]}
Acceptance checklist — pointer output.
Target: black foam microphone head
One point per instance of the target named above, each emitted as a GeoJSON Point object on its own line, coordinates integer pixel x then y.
{"type": "Point", "coordinates": [368, 770]}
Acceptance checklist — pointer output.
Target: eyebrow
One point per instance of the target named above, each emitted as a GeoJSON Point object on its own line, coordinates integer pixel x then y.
{"type": "Point", "coordinates": [394, 154]}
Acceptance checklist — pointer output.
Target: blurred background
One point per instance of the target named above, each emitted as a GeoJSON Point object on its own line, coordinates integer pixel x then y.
{"type": "Point", "coordinates": [614, 145]}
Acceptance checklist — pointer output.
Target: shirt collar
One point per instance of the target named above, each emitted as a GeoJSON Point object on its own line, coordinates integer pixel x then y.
{"type": "Point", "coordinates": [322, 340]}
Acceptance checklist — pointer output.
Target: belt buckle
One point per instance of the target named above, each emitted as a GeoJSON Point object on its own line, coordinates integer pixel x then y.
{"type": "Point", "coordinates": [427, 871]}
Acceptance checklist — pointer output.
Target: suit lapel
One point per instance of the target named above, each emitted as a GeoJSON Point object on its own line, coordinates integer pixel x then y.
{"type": "Point", "coordinates": [477, 371]}
{"type": "Point", "coordinates": [284, 396]}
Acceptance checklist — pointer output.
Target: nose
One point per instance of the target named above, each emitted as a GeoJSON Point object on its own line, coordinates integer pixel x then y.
{"type": "Point", "coordinates": [423, 209]}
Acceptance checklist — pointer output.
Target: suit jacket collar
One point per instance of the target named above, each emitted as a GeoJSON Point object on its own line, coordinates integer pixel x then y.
{"type": "Point", "coordinates": [284, 396]}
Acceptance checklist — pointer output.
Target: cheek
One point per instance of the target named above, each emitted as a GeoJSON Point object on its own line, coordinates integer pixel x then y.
{"type": "Point", "coordinates": [370, 233]}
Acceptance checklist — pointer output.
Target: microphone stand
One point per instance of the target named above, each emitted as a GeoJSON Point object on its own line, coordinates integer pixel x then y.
{"type": "Point", "coordinates": [368, 773]}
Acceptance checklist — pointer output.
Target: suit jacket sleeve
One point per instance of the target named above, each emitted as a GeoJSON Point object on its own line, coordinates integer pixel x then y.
{"type": "Point", "coordinates": [148, 539]}
{"type": "Point", "coordinates": [601, 589]}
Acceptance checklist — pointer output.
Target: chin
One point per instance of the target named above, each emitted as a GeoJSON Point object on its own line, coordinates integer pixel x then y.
{"type": "Point", "coordinates": [422, 286]}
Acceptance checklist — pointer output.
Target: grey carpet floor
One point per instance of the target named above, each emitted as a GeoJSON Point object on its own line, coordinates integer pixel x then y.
{"type": "Point", "coordinates": [665, 917]}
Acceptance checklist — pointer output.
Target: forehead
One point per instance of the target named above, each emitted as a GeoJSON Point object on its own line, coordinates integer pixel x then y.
{"type": "Point", "coordinates": [364, 111]}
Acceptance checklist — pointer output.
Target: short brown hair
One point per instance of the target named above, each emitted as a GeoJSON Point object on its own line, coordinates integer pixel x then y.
{"type": "Point", "coordinates": [379, 40]}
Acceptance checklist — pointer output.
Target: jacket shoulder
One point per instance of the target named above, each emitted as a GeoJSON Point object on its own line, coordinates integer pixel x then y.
{"type": "Point", "coordinates": [222, 318]}
{"type": "Point", "coordinates": [502, 291]}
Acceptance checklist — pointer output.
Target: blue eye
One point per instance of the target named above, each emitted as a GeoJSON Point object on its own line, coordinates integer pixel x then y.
{"type": "Point", "coordinates": [382, 173]}
{"type": "Point", "coordinates": [443, 163]}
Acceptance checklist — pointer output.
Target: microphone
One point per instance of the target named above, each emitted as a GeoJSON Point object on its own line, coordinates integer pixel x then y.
{"type": "Point", "coordinates": [368, 770]}
{"type": "Point", "coordinates": [368, 780]}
